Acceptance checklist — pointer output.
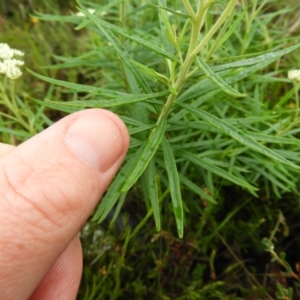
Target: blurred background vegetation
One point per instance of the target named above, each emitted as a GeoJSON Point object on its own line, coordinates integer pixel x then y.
{"type": "Point", "coordinates": [226, 251]}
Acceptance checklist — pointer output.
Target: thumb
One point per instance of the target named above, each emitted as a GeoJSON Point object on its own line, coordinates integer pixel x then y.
{"type": "Point", "coordinates": [49, 185]}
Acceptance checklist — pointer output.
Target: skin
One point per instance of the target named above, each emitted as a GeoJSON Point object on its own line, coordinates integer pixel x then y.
{"type": "Point", "coordinates": [49, 186]}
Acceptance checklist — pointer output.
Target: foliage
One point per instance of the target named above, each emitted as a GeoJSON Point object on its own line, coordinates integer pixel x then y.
{"type": "Point", "coordinates": [213, 119]}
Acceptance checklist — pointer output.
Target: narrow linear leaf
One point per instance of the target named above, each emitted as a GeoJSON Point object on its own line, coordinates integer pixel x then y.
{"type": "Point", "coordinates": [155, 75]}
{"type": "Point", "coordinates": [133, 122]}
{"type": "Point", "coordinates": [129, 35]}
{"type": "Point", "coordinates": [250, 66]}
{"type": "Point", "coordinates": [114, 193]}
{"type": "Point", "coordinates": [273, 139]}
{"type": "Point", "coordinates": [80, 87]}
{"type": "Point", "coordinates": [196, 189]}
{"type": "Point", "coordinates": [149, 150]}
{"type": "Point", "coordinates": [135, 143]}
{"type": "Point", "coordinates": [201, 162]}
{"type": "Point", "coordinates": [15, 132]}
{"type": "Point", "coordinates": [289, 154]}
{"type": "Point", "coordinates": [103, 9]}
{"type": "Point", "coordinates": [135, 79]}
{"type": "Point", "coordinates": [168, 31]}
{"type": "Point", "coordinates": [152, 189]}
{"type": "Point", "coordinates": [57, 105]}
{"type": "Point", "coordinates": [231, 29]}
{"type": "Point", "coordinates": [140, 129]}
{"type": "Point", "coordinates": [209, 73]}
{"type": "Point", "coordinates": [201, 125]}
{"type": "Point", "coordinates": [126, 59]}
{"type": "Point", "coordinates": [163, 29]}
{"type": "Point", "coordinates": [117, 210]}
{"type": "Point", "coordinates": [238, 135]}
{"type": "Point", "coordinates": [259, 58]}
{"type": "Point", "coordinates": [269, 175]}
{"type": "Point", "coordinates": [107, 203]}
{"type": "Point", "coordinates": [100, 91]}
{"type": "Point", "coordinates": [174, 185]}
{"type": "Point", "coordinates": [220, 35]}
{"type": "Point", "coordinates": [169, 10]}
{"type": "Point", "coordinates": [81, 104]}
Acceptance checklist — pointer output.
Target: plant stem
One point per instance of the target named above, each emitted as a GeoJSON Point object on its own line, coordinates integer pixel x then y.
{"type": "Point", "coordinates": [296, 120]}
{"type": "Point", "coordinates": [189, 8]}
{"type": "Point", "coordinates": [216, 26]}
{"type": "Point", "coordinates": [194, 48]}
{"type": "Point", "coordinates": [11, 104]}
{"type": "Point", "coordinates": [296, 100]}
{"type": "Point", "coordinates": [122, 21]}
{"type": "Point", "coordinates": [122, 15]}
{"type": "Point", "coordinates": [249, 20]}
{"type": "Point", "coordinates": [284, 264]}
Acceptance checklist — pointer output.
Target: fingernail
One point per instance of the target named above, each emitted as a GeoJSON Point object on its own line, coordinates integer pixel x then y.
{"type": "Point", "coordinates": [96, 139]}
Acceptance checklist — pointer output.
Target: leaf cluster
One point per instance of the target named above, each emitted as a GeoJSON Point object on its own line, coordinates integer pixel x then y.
{"type": "Point", "coordinates": [209, 136]}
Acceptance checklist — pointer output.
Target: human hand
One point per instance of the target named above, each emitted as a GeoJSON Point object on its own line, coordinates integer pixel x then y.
{"type": "Point", "coordinates": [49, 186]}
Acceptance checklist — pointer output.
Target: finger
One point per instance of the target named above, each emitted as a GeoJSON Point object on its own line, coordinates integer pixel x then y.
{"type": "Point", "coordinates": [49, 186]}
{"type": "Point", "coordinates": [5, 148]}
{"type": "Point", "coordinates": [63, 279]}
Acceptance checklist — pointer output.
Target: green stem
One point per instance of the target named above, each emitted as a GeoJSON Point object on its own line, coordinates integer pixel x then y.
{"type": "Point", "coordinates": [181, 79]}
{"type": "Point", "coordinates": [249, 20]}
{"type": "Point", "coordinates": [122, 14]}
{"type": "Point", "coordinates": [195, 48]}
{"type": "Point", "coordinates": [201, 6]}
{"type": "Point", "coordinates": [122, 21]}
{"type": "Point", "coordinates": [11, 104]}
{"type": "Point", "coordinates": [284, 264]}
{"type": "Point", "coordinates": [296, 100]}
{"type": "Point", "coordinates": [296, 120]}
{"type": "Point", "coordinates": [216, 26]}
{"type": "Point", "coordinates": [189, 8]}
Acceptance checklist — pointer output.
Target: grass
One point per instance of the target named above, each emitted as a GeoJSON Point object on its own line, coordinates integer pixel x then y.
{"type": "Point", "coordinates": [218, 136]}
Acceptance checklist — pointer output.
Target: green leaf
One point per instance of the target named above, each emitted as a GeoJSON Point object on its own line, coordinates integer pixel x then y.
{"type": "Point", "coordinates": [99, 91]}
{"type": "Point", "coordinates": [140, 129]}
{"type": "Point", "coordinates": [174, 124]}
{"type": "Point", "coordinates": [127, 60]}
{"type": "Point", "coordinates": [196, 189]}
{"type": "Point", "coordinates": [114, 191]}
{"type": "Point", "coordinates": [152, 192]}
{"type": "Point", "coordinates": [278, 177]}
{"type": "Point", "coordinates": [174, 185]}
{"type": "Point", "coordinates": [149, 150]}
{"type": "Point", "coordinates": [201, 162]}
{"type": "Point", "coordinates": [81, 104]}
{"type": "Point", "coordinates": [238, 135]}
{"type": "Point", "coordinates": [167, 30]}
{"type": "Point", "coordinates": [269, 57]}
{"type": "Point", "coordinates": [151, 72]}
{"type": "Point", "coordinates": [248, 66]}
{"type": "Point", "coordinates": [58, 105]}
{"type": "Point", "coordinates": [18, 132]}
{"type": "Point", "coordinates": [273, 139]}
{"type": "Point", "coordinates": [169, 10]}
{"type": "Point", "coordinates": [127, 34]}
{"type": "Point", "coordinates": [231, 30]}
{"type": "Point", "coordinates": [81, 87]}
{"type": "Point", "coordinates": [162, 32]}
{"type": "Point", "coordinates": [217, 79]}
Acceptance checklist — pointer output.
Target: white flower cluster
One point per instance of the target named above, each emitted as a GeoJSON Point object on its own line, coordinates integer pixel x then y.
{"type": "Point", "coordinates": [91, 11]}
{"type": "Point", "coordinates": [294, 75]}
{"type": "Point", "coordinates": [9, 66]}
{"type": "Point", "coordinates": [81, 14]}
